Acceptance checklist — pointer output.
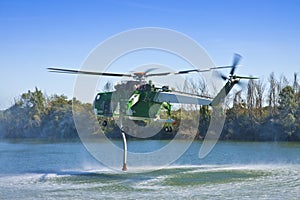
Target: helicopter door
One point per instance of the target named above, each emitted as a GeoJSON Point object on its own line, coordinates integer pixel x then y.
{"type": "Point", "coordinates": [107, 107]}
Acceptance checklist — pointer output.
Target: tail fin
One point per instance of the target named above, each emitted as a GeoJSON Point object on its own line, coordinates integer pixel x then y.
{"type": "Point", "coordinates": [223, 92]}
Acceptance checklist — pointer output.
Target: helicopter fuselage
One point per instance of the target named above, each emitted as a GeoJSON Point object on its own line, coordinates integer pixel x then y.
{"type": "Point", "coordinates": [138, 104]}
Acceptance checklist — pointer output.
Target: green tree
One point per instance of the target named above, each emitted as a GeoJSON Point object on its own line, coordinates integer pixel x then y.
{"type": "Point", "coordinates": [287, 109]}
{"type": "Point", "coordinates": [297, 116]}
{"type": "Point", "coordinates": [58, 123]}
{"type": "Point", "coordinates": [33, 104]}
{"type": "Point", "coordinates": [26, 115]}
{"type": "Point", "coordinates": [287, 101]}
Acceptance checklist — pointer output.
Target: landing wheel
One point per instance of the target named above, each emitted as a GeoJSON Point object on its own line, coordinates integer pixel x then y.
{"type": "Point", "coordinates": [104, 123]}
{"type": "Point", "coordinates": [168, 129]}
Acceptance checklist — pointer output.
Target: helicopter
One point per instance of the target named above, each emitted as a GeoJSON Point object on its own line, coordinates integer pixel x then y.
{"type": "Point", "coordinates": [139, 100]}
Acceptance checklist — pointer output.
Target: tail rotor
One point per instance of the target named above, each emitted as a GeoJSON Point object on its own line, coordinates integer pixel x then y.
{"type": "Point", "coordinates": [235, 62]}
{"type": "Point", "coordinates": [232, 77]}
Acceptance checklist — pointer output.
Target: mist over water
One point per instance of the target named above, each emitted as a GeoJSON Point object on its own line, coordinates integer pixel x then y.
{"type": "Point", "coordinates": [31, 170]}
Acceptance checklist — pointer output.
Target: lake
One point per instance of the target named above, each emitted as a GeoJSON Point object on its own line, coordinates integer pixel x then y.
{"type": "Point", "coordinates": [233, 170]}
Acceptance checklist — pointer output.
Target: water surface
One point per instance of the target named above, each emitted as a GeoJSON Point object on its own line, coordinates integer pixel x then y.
{"type": "Point", "coordinates": [233, 170]}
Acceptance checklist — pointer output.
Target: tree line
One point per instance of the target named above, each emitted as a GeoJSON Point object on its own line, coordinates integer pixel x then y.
{"type": "Point", "coordinates": [35, 115]}
{"type": "Point", "coordinates": [264, 111]}
{"type": "Point", "coordinates": [268, 111]}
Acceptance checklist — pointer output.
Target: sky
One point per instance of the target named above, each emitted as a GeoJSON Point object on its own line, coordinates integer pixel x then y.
{"type": "Point", "coordinates": [38, 34]}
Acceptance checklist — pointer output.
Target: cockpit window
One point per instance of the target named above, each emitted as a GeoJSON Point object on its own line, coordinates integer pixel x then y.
{"type": "Point", "coordinates": [98, 97]}
{"type": "Point", "coordinates": [145, 87]}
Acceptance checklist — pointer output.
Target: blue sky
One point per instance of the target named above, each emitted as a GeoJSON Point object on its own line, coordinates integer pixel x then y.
{"type": "Point", "coordinates": [39, 34]}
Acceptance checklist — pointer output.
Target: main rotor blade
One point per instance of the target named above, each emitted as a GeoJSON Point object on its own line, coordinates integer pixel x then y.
{"type": "Point", "coordinates": [72, 71]}
{"type": "Point", "coordinates": [187, 71]}
{"type": "Point", "coordinates": [144, 72]}
{"type": "Point", "coordinates": [150, 70]}
{"type": "Point", "coordinates": [192, 70]}
{"type": "Point", "coordinates": [245, 77]}
{"type": "Point", "coordinates": [201, 70]}
{"type": "Point", "coordinates": [158, 74]}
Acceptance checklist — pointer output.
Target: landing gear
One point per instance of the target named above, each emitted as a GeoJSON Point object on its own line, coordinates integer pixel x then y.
{"type": "Point", "coordinates": [104, 123]}
{"type": "Point", "coordinates": [167, 106]}
{"type": "Point", "coordinates": [168, 129]}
